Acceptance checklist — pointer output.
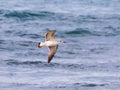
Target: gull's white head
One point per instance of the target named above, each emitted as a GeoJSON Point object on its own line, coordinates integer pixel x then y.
{"type": "Point", "coordinates": [41, 44]}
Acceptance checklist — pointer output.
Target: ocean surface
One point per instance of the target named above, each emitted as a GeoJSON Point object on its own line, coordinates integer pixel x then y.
{"type": "Point", "coordinates": [89, 60]}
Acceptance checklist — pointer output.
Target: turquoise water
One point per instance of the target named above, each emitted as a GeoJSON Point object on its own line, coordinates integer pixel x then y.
{"type": "Point", "coordinates": [89, 60]}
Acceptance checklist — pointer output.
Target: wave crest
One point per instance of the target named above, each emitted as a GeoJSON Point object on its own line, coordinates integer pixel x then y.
{"type": "Point", "coordinates": [26, 15]}
{"type": "Point", "coordinates": [87, 32]}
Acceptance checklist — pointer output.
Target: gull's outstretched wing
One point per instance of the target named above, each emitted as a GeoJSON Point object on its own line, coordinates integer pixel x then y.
{"type": "Point", "coordinates": [50, 35]}
{"type": "Point", "coordinates": [52, 52]}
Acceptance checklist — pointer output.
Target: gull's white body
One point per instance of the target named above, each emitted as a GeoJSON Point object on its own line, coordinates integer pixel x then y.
{"type": "Point", "coordinates": [50, 43]}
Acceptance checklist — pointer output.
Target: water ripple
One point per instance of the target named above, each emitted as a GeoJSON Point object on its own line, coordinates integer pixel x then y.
{"type": "Point", "coordinates": [89, 84]}
{"type": "Point", "coordinates": [28, 15]}
{"type": "Point", "coordinates": [87, 32]}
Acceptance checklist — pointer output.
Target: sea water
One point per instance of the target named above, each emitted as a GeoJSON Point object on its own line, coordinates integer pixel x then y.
{"type": "Point", "coordinates": [89, 60]}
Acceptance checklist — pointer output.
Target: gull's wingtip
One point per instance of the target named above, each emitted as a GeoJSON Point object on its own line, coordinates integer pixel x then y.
{"type": "Point", "coordinates": [48, 62]}
{"type": "Point", "coordinates": [49, 59]}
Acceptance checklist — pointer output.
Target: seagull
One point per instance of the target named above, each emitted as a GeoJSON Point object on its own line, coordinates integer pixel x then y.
{"type": "Point", "coordinates": [51, 43]}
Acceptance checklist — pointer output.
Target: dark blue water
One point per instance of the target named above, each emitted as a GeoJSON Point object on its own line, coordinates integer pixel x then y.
{"type": "Point", "coordinates": [89, 60]}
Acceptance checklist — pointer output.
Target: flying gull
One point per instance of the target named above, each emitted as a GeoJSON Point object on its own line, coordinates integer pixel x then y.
{"type": "Point", "coordinates": [51, 43]}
